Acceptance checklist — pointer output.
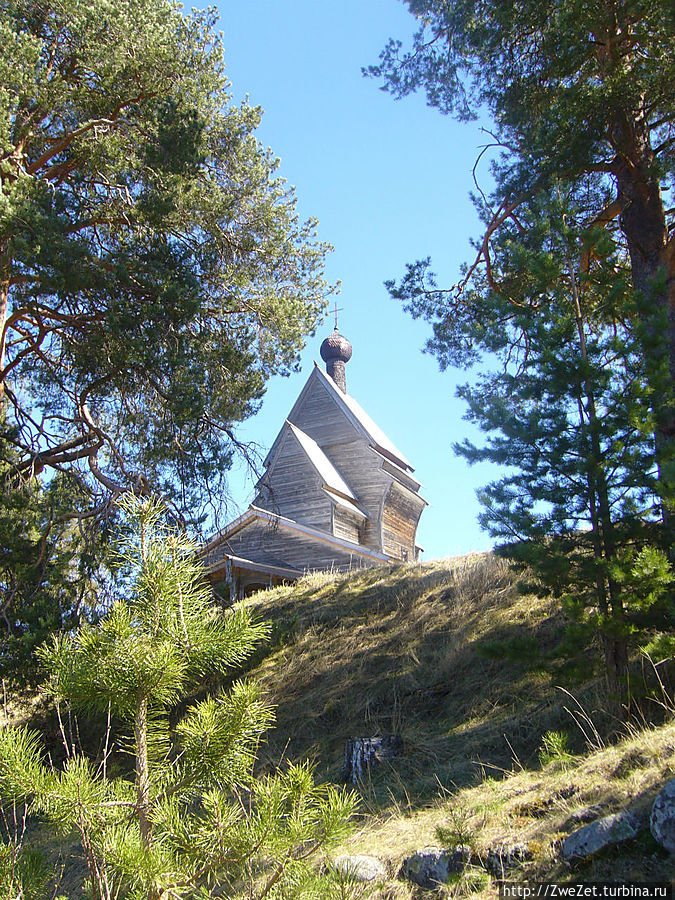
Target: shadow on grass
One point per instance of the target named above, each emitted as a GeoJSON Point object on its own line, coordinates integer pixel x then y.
{"type": "Point", "coordinates": [451, 657]}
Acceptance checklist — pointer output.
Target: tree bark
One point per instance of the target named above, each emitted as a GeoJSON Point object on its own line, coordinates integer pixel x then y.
{"type": "Point", "coordinates": [143, 801]}
{"type": "Point", "coordinates": [615, 651]}
{"type": "Point", "coordinates": [142, 771]}
{"type": "Point", "coordinates": [652, 259]}
{"type": "Point", "coordinates": [5, 275]}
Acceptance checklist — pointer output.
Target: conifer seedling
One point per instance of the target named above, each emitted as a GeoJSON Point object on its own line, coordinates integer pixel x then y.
{"type": "Point", "coordinates": [193, 821]}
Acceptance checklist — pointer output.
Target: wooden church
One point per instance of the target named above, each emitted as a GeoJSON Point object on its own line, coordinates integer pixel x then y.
{"type": "Point", "coordinates": [336, 493]}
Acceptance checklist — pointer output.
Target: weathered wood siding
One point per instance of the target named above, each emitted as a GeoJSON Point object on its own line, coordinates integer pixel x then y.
{"type": "Point", "coordinates": [214, 555]}
{"type": "Point", "coordinates": [266, 543]}
{"type": "Point", "coordinates": [293, 488]}
{"type": "Point", "coordinates": [366, 478]}
{"type": "Point", "coordinates": [319, 416]}
{"type": "Point", "coordinates": [400, 515]}
{"type": "Point", "coordinates": [346, 525]}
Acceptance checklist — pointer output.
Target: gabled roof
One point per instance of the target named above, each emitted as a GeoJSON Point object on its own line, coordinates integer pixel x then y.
{"type": "Point", "coordinates": [358, 417]}
{"type": "Point", "coordinates": [333, 484]}
{"type": "Point", "coordinates": [403, 476]}
{"type": "Point", "coordinates": [329, 474]}
{"type": "Point", "coordinates": [347, 504]}
{"type": "Point", "coordinates": [364, 423]}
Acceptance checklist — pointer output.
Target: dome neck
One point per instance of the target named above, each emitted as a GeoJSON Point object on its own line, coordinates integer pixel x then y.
{"type": "Point", "coordinates": [335, 369]}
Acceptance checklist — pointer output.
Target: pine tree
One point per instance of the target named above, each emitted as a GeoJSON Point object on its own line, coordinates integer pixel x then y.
{"type": "Point", "coordinates": [52, 564]}
{"type": "Point", "coordinates": [575, 89]}
{"type": "Point", "coordinates": [567, 414]}
{"type": "Point", "coordinates": [194, 818]}
{"type": "Point", "coordinates": [153, 270]}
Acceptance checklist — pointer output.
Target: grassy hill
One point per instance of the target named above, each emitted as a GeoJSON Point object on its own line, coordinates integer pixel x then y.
{"type": "Point", "coordinates": [467, 669]}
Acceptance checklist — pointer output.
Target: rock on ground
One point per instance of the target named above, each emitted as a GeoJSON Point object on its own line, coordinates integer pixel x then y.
{"type": "Point", "coordinates": [587, 814]}
{"type": "Point", "coordinates": [360, 868]}
{"type": "Point", "coordinates": [432, 866]}
{"type": "Point", "coordinates": [662, 821]}
{"type": "Point", "coordinates": [614, 829]}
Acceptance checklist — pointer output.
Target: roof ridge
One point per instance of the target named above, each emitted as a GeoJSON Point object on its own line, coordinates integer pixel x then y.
{"type": "Point", "coordinates": [372, 430]}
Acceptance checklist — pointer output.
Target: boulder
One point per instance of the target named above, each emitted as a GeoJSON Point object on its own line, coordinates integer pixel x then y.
{"type": "Point", "coordinates": [360, 868]}
{"type": "Point", "coordinates": [587, 814]}
{"type": "Point", "coordinates": [609, 830]}
{"type": "Point", "coordinates": [662, 820]}
{"type": "Point", "coordinates": [432, 866]}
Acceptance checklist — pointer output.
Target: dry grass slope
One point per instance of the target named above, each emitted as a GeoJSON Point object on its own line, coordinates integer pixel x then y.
{"type": "Point", "coordinates": [451, 656]}
{"type": "Point", "coordinates": [415, 650]}
{"type": "Point", "coordinates": [537, 808]}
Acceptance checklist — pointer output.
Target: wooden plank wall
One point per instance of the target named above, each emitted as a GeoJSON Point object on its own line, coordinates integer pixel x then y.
{"type": "Point", "coordinates": [346, 525]}
{"type": "Point", "coordinates": [320, 417]}
{"type": "Point", "coordinates": [294, 489]}
{"type": "Point", "coordinates": [262, 542]}
{"type": "Point", "coordinates": [365, 477]}
{"type": "Point", "coordinates": [401, 513]}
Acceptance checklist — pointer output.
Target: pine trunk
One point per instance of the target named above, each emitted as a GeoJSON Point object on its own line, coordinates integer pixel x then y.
{"type": "Point", "coordinates": [652, 259]}
{"type": "Point", "coordinates": [5, 274]}
{"type": "Point", "coordinates": [616, 666]}
{"type": "Point", "coordinates": [142, 771]}
{"type": "Point", "coordinates": [143, 804]}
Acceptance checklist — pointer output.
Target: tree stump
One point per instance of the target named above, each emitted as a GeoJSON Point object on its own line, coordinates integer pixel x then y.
{"type": "Point", "coordinates": [362, 753]}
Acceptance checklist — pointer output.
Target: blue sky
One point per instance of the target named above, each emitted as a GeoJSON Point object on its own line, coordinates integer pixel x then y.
{"type": "Point", "coordinates": [389, 183]}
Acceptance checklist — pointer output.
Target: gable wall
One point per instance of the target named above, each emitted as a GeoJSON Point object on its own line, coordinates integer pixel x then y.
{"type": "Point", "coordinates": [293, 488]}
{"type": "Point", "coordinates": [320, 417]}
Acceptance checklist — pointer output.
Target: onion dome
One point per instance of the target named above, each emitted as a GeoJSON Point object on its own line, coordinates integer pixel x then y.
{"type": "Point", "coordinates": [335, 352]}
{"type": "Point", "coordinates": [336, 347]}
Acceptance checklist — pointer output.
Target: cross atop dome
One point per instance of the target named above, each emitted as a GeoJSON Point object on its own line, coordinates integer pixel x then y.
{"type": "Point", "coordinates": [336, 309]}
